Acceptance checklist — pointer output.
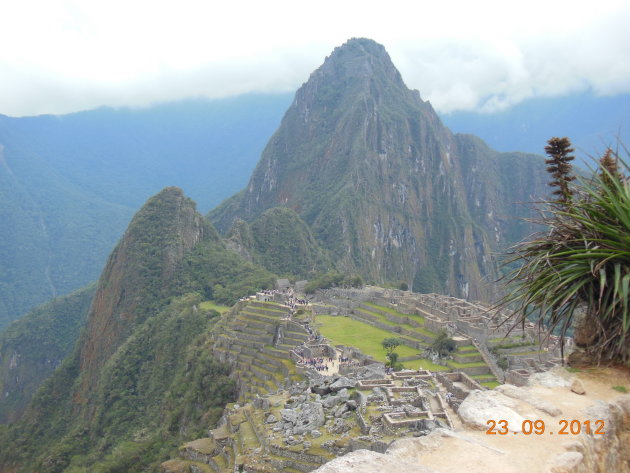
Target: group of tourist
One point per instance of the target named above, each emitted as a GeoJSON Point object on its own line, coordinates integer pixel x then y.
{"type": "Point", "coordinates": [293, 302]}
{"type": "Point", "coordinates": [317, 363]}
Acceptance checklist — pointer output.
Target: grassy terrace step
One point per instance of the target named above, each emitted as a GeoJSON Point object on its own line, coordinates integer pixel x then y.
{"type": "Point", "coordinates": [247, 436]}
{"type": "Point", "coordinates": [455, 364]}
{"type": "Point", "coordinates": [389, 310]}
{"type": "Point", "coordinates": [384, 319]}
{"type": "Point", "coordinates": [266, 306]}
{"type": "Point", "coordinates": [483, 378]}
{"type": "Point", "coordinates": [273, 353]}
{"type": "Point", "coordinates": [184, 466]}
{"type": "Point", "coordinates": [268, 374]}
{"type": "Point", "coordinates": [467, 354]}
{"type": "Point", "coordinates": [253, 331]}
{"type": "Point", "coordinates": [221, 462]}
{"type": "Point", "coordinates": [257, 340]}
{"type": "Point", "coordinates": [249, 351]}
{"type": "Point", "coordinates": [245, 357]}
{"type": "Point", "coordinates": [284, 347]}
{"type": "Point", "coordinates": [418, 333]}
{"type": "Point", "coordinates": [467, 359]}
{"type": "Point", "coordinates": [525, 353]}
{"type": "Point", "coordinates": [296, 334]}
{"type": "Point", "coordinates": [292, 341]}
{"type": "Point", "coordinates": [467, 348]}
{"type": "Point", "coordinates": [279, 458]}
{"type": "Point", "coordinates": [491, 384]}
{"type": "Point", "coordinates": [266, 364]}
{"type": "Point", "coordinates": [290, 366]}
{"type": "Point", "coordinates": [250, 323]}
{"type": "Point", "coordinates": [264, 318]}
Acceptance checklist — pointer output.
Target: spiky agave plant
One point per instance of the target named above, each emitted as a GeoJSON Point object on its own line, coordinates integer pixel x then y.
{"type": "Point", "coordinates": [581, 261]}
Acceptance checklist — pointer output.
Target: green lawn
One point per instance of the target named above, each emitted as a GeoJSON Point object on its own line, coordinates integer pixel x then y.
{"type": "Point", "coordinates": [211, 305]}
{"type": "Point", "coordinates": [346, 331]}
{"type": "Point", "coordinates": [491, 384]}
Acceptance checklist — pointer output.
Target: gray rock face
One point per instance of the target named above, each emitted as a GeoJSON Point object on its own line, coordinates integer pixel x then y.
{"type": "Point", "coordinates": [523, 394]}
{"type": "Point", "coordinates": [320, 386]}
{"type": "Point", "coordinates": [566, 462]}
{"type": "Point", "coordinates": [366, 461]}
{"type": "Point", "coordinates": [342, 383]}
{"type": "Point", "coordinates": [331, 401]}
{"type": "Point", "coordinates": [305, 418]}
{"type": "Point", "coordinates": [271, 419]}
{"type": "Point", "coordinates": [373, 371]}
{"type": "Point", "coordinates": [577, 387]}
{"type": "Point", "coordinates": [548, 379]}
{"type": "Point", "coordinates": [610, 452]}
{"type": "Point", "coordinates": [339, 427]}
{"type": "Point", "coordinates": [481, 406]}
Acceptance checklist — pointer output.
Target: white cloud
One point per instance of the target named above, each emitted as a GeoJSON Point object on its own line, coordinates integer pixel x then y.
{"type": "Point", "coordinates": [66, 55]}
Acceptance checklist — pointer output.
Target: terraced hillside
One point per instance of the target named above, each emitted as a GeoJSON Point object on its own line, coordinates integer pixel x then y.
{"type": "Point", "coordinates": [256, 338]}
{"type": "Point", "coordinates": [369, 323]}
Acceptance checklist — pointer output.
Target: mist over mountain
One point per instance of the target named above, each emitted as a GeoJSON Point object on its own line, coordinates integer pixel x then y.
{"type": "Point", "coordinates": [592, 123]}
{"type": "Point", "coordinates": [70, 184]}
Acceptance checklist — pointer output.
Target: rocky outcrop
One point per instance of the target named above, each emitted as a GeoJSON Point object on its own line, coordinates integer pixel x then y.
{"type": "Point", "coordinates": [480, 406]}
{"type": "Point", "coordinates": [609, 452]}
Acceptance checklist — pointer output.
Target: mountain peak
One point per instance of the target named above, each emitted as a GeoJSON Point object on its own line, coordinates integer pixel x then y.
{"type": "Point", "coordinates": [383, 185]}
{"type": "Point", "coordinates": [358, 58]}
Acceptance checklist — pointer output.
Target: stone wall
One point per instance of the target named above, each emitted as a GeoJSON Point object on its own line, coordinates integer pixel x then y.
{"type": "Point", "coordinates": [447, 379]}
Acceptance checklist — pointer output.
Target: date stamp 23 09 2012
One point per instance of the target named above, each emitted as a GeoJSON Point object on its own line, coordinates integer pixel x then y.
{"type": "Point", "coordinates": [538, 427]}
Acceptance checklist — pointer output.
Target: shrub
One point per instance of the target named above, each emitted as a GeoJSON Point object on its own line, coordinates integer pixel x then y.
{"type": "Point", "coordinates": [581, 261]}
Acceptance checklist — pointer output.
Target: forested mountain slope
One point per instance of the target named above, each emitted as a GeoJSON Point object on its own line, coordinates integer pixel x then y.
{"type": "Point", "coordinates": [141, 378]}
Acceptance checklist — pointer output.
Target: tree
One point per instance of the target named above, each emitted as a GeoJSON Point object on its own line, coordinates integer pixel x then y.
{"type": "Point", "coordinates": [442, 344]}
{"type": "Point", "coordinates": [390, 344]}
{"type": "Point", "coordinates": [581, 263]}
{"type": "Point", "coordinates": [559, 166]}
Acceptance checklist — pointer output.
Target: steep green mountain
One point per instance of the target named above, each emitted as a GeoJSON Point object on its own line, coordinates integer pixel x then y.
{"type": "Point", "coordinates": [141, 378]}
{"type": "Point", "coordinates": [69, 184]}
{"type": "Point", "coordinates": [32, 347]}
{"type": "Point", "coordinates": [383, 185]}
{"type": "Point", "coordinates": [280, 241]}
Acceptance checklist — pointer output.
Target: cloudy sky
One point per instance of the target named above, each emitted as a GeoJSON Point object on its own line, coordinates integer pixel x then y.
{"type": "Point", "coordinates": [59, 56]}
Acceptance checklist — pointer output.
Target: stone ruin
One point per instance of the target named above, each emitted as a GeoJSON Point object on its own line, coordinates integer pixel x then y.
{"type": "Point", "coordinates": [296, 418]}
{"type": "Point", "coordinates": [526, 349]}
